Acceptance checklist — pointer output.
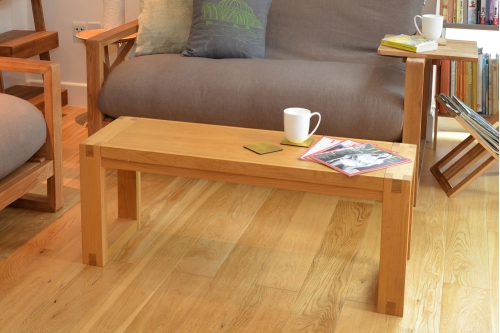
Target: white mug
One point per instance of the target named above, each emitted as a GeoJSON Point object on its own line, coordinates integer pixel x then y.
{"type": "Point", "coordinates": [297, 124]}
{"type": "Point", "coordinates": [432, 25]}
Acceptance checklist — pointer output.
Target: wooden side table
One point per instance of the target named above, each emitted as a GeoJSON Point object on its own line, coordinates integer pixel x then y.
{"type": "Point", "coordinates": [448, 50]}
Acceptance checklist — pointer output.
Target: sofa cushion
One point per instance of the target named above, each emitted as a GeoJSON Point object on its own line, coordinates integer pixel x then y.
{"type": "Point", "coordinates": [22, 132]}
{"type": "Point", "coordinates": [355, 100]}
{"type": "Point", "coordinates": [228, 29]}
{"type": "Point", "coordinates": [337, 30]}
{"type": "Point", "coordinates": [163, 26]}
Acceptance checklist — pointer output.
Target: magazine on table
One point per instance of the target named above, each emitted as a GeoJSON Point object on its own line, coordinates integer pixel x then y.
{"type": "Point", "coordinates": [326, 144]}
{"type": "Point", "coordinates": [359, 158]}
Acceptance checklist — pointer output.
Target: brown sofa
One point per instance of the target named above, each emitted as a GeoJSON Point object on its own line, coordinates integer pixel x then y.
{"type": "Point", "coordinates": [320, 55]}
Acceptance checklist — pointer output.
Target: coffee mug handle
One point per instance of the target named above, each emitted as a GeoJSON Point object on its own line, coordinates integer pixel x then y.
{"type": "Point", "coordinates": [416, 26]}
{"type": "Point", "coordinates": [319, 120]}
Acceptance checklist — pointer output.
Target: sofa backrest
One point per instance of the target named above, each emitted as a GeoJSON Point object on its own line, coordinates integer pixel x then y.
{"type": "Point", "coordinates": [336, 30]}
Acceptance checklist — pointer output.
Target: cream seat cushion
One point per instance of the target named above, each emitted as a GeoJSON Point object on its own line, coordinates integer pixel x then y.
{"type": "Point", "coordinates": [22, 132]}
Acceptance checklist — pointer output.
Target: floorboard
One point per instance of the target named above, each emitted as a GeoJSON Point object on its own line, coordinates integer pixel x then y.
{"type": "Point", "coordinates": [220, 257]}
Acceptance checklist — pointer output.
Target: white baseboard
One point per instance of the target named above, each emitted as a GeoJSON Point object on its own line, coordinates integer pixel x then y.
{"type": "Point", "coordinates": [77, 92]}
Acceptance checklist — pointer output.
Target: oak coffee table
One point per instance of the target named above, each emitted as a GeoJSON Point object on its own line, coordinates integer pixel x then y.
{"type": "Point", "coordinates": [135, 145]}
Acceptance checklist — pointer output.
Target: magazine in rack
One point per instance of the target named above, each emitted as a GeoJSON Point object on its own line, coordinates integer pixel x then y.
{"type": "Point", "coordinates": [475, 122]}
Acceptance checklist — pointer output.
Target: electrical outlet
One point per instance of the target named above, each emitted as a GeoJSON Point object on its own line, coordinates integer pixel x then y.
{"type": "Point", "coordinates": [79, 27]}
{"type": "Point", "coordinates": [93, 25]}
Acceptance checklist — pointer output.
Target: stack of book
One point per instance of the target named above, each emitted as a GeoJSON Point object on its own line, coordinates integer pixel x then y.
{"type": "Point", "coordinates": [470, 11]}
{"type": "Point", "coordinates": [476, 84]}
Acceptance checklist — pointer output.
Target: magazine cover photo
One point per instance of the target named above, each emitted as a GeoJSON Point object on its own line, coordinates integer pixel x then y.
{"type": "Point", "coordinates": [360, 159]}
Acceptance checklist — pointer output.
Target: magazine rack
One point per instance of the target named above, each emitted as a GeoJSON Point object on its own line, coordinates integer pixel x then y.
{"type": "Point", "coordinates": [465, 162]}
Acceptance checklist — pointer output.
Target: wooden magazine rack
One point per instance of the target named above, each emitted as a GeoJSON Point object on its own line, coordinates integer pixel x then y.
{"type": "Point", "coordinates": [467, 160]}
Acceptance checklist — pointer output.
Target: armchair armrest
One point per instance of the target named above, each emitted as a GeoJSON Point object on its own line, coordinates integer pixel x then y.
{"type": "Point", "coordinates": [114, 35]}
{"type": "Point", "coordinates": [52, 150]}
{"type": "Point", "coordinates": [98, 67]}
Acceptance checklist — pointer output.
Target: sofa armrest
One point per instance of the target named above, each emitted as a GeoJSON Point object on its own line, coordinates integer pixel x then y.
{"type": "Point", "coordinates": [52, 150]}
{"type": "Point", "coordinates": [98, 68]}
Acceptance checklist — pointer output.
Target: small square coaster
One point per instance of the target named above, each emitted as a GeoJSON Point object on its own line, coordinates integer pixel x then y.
{"type": "Point", "coordinates": [263, 147]}
{"type": "Point", "coordinates": [306, 143]}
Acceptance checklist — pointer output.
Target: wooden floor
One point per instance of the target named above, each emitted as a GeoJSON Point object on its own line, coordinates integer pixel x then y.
{"type": "Point", "coordinates": [233, 258]}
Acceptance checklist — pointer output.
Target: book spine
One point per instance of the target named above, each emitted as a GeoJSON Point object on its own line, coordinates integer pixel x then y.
{"type": "Point", "coordinates": [482, 12]}
{"type": "Point", "coordinates": [490, 85]}
{"type": "Point", "coordinates": [460, 11]}
{"type": "Point", "coordinates": [486, 83]}
{"type": "Point", "coordinates": [468, 84]}
{"type": "Point", "coordinates": [444, 10]}
{"type": "Point", "coordinates": [479, 93]}
{"type": "Point", "coordinates": [399, 46]}
{"type": "Point", "coordinates": [471, 12]}
{"type": "Point", "coordinates": [463, 83]}
{"type": "Point", "coordinates": [490, 12]}
{"type": "Point", "coordinates": [465, 12]}
{"type": "Point", "coordinates": [495, 98]}
{"type": "Point", "coordinates": [478, 11]}
{"type": "Point", "coordinates": [453, 82]}
{"type": "Point", "coordinates": [451, 10]}
{"type": "Point", "coordinates": [495, 12]}
{"type": "Point", "coordinates": [444, 85]}
{"type": "Point", "coordinates": [473, 102]}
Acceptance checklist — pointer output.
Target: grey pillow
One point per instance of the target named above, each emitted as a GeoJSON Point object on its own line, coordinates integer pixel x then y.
{"type": "Point", "coordinates": [163, 26]}
{"type": "Point", "coordinates": [228, 29]}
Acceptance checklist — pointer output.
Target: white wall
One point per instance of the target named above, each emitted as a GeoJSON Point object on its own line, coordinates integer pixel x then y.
{"type": "Point", "coordinates": [13, 17]}
{"type": "Point", "coordinates": [12, 14]}
{"type": "Point", "coordinates": [59, 16]}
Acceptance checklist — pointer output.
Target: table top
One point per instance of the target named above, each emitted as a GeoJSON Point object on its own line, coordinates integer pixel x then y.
{"type": "Point", "coordinates": [453, 50]}
{"type": "Point", "coordinates": [86, 34]}
{"type": "Point", "coordinates": [220, 149]}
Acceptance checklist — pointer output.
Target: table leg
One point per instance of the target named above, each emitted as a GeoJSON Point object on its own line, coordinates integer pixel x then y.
{"type": "Point", "coordinates": [93, 207]}
{"type": "Point", "coordinates": [396, 216]}
{"type": "Point", "coordinates": [129, 195]}
{"type": "Point", "coordinates": [129, 211]}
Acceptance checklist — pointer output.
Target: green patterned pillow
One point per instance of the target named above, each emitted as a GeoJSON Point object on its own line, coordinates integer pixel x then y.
{"type": "Point", "coordinates": [228, 29]}
{"type": "Point", "coordinates": [163, 26]}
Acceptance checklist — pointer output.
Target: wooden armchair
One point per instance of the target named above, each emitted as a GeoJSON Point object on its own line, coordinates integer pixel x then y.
{"type": "Point", "coordinates": [46, 164]}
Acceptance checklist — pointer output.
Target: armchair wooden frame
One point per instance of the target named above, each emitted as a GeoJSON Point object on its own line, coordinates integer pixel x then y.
{"type": "Point", "coordinates": [417, 88]}
{"type": "Point", "coordinates": [46, 164]}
